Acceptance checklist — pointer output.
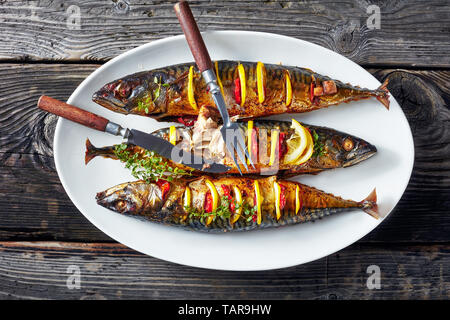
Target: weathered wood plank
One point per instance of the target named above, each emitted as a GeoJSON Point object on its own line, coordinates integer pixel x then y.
{"type": "Point", "coordinates": [111, 271]}
{"type": "Point", "coordinates": [32, 195]}
{"type": "Point", "coordinates": [35, 204]}
{"type": "Point", "coordinates": [411, 33]}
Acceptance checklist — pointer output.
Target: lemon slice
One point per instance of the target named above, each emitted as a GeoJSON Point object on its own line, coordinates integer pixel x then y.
{"type": "Point", "coordinates": [298, 203]}
{"type": "Point", "coordinates": [219, 82]}
{"type": "Point", "coordinates": [297, 143]}
{"type": "Point", "coordinates": [258, 202]}
{"type": "Point", "coordinates": [273, 145]}
{"type": "Point", "coordinates": [249, 138]}
{"type": "Point", "coordinates": [241, 72]}
{"type": "Point", "coordinates": [238, 200]}
{"type": "Point", "coordinates": [191, 96]}
{"type": "Point", "coordinates": [173, 135]}
{"type": "Point", "coordinates": [215, 199]}
{"type": "Point", "coordinates": [309, 151]}
{"type": "Point", "coordinates": [260, 81]}
{"type": "Point", "coordinates": [187, 197]}
{"type": "Point", "coordinates": [277, 189]}
{"type": "Point", "coordinates": [288, 89]}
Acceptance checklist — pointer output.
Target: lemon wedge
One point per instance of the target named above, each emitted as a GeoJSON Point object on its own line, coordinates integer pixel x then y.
{"type": "Point", "coordinates": [277, 191]}
{"type": "Point", "coordinates": [187, 197]}
{"type": "Point", "coordinates": [241, 73]}
{"type": "Point", "coordinates": [297, 143]}
{"type": "Point", "coordinates": [173, 135]}
{"type": "Point", "coordinates": [191, 96]}
{"type": "Point", "coordinates": [238, 201]}
{"type": "Point", "coordinates": [298, 200]}
{"type": "Point", "coordinates": [219, 82]}
{"type": "Point", "coordinates": [309, 151]}
{"type": "Point", "coordinates": [273, 145]}
{"type": "Point", "coordinates": [260, 81]}
{"type": "Point", "coordinates": [288, 89]}
{"type": "Point", "coordinates": [258, 202]}
{"type": "Point", "coordinates": [249, 138]}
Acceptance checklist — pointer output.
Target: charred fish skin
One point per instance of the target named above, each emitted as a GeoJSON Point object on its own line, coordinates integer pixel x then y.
{"type": "Point", "coordinates": [339, 149]}
{"type": "Point", "coordinates": [163, 93]}
{"type": "Point", "coordinates": [146, 201]}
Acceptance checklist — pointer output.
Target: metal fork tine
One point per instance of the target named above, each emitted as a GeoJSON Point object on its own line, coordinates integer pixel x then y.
{"type": "Point", "coordinates": [239, 152]}
{"type": "Point", "coordinates": [236, 162]}
{"type": "Point", "coordinates": [244, 147]}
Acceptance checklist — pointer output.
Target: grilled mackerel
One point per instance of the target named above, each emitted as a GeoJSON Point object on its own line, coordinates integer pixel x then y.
{"type": "Point", "coordinates": [260, 205]}
{"type": "Point", "coordinates": [333, 149]}
{"type": "Point", "coordinates": [250, 90]}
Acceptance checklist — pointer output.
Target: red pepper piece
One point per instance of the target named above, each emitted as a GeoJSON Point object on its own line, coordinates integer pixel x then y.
{"type": "Point", "coordinates": [237, 90]}
{"type": "Point", "coordinates": [227, 193]}
{"type": "Point", "coordinates": [208, 202]}
{"type": "Point", "coordinates": [164, 186]}
{"type": "Point", "coordinates": [188, 121]}
{"type": "Point", "coordinates": [281, 145]}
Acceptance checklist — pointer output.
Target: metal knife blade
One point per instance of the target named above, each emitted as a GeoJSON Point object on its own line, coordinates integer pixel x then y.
{"type": "Point", "coordinates": [167, 150]}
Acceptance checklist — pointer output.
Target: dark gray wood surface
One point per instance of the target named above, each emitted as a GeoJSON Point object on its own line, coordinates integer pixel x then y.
{"type": "Point", "coordinates": [42, 233]}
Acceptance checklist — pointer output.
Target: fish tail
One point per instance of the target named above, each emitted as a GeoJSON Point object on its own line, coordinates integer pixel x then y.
{"type": "Point", "coordinates": [369, 204]}
{"type": "Point", "coordinates": [382, 94]}
{"type": "Point", "coordinates": [90, 152]}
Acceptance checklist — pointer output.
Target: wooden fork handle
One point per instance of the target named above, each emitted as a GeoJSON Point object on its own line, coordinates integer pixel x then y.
{"type": "Point", "coordinates": [72, 113]}
{"type": "Point", "coordinates": [193, 36]}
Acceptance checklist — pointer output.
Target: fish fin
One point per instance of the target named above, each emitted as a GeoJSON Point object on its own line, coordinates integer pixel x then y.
{"type": "Point", "coordinates": [369, 204]}
{"type": "Point", "coordinates": [383, 94]}
{"type": "Point", "coordinates": [90, 152]}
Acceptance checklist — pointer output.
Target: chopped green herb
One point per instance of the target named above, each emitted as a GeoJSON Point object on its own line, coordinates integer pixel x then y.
{"type": "Point", "coordinates": [319, 148]}
{"type": "Point", "coordinates": [222, 211]}
{"type": "Point", "coordinates": [146, 103]}
{"type": "Point", "coordinates": [148, 166]}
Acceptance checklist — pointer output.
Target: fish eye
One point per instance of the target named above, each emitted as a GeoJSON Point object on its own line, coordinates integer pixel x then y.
{"type": "Point", "coordinates": [348, 144]}
{"type": "Point", "coordinates": [122, 206]}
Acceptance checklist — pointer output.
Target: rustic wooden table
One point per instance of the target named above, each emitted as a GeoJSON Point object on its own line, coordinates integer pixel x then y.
{"type": "Point", "coordinates": [49, 47]}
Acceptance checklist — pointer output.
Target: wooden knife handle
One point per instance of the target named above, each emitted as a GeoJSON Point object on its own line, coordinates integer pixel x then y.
{"type": "Point", "coordinates": [72, 113]}
{"type": "Point", "coordinates": [193, 36]}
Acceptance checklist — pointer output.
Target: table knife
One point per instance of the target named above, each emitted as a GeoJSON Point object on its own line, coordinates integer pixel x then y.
{"type": "Point", "coordinates": [145, 140]}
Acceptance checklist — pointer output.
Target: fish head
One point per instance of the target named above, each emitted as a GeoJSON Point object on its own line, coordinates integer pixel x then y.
{"type": "Point", "coordinates": [139, 93]}
{"type": "Point", "coordinates": [354, 150]}
{"type": "Point", "coordinates": [345, 149]}
{"type": "Point", "coordinates": [135, 198]}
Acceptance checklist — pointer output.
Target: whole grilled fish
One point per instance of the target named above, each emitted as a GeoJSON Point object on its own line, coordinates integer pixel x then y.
{"type": "Point", "coordinates": [250, 90]}
{"type": "Point", "coordinates": [333, 149]}
{"type": "Point", "coordinates": [165, 202]}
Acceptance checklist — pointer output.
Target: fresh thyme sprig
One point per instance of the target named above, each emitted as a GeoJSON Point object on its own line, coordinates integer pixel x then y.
{"type": "Point", "coordinates": [148, 166]}
{"type": "Point", "coordinates": [319, 148]}
{"type": "Point", "coordinates": [222, 211]}
{"type": "Point", "coordinates": [146, 103]}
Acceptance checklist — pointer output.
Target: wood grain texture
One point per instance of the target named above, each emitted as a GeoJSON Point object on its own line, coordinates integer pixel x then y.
{"type": "Point", "coordinates": [32, 194]}
{"type": "Point", "coordinates": [35, 205]}
{"type": "Point", "coordinates": [40, 270]}
{"type": "Point", "coordinates": [412, 33]}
